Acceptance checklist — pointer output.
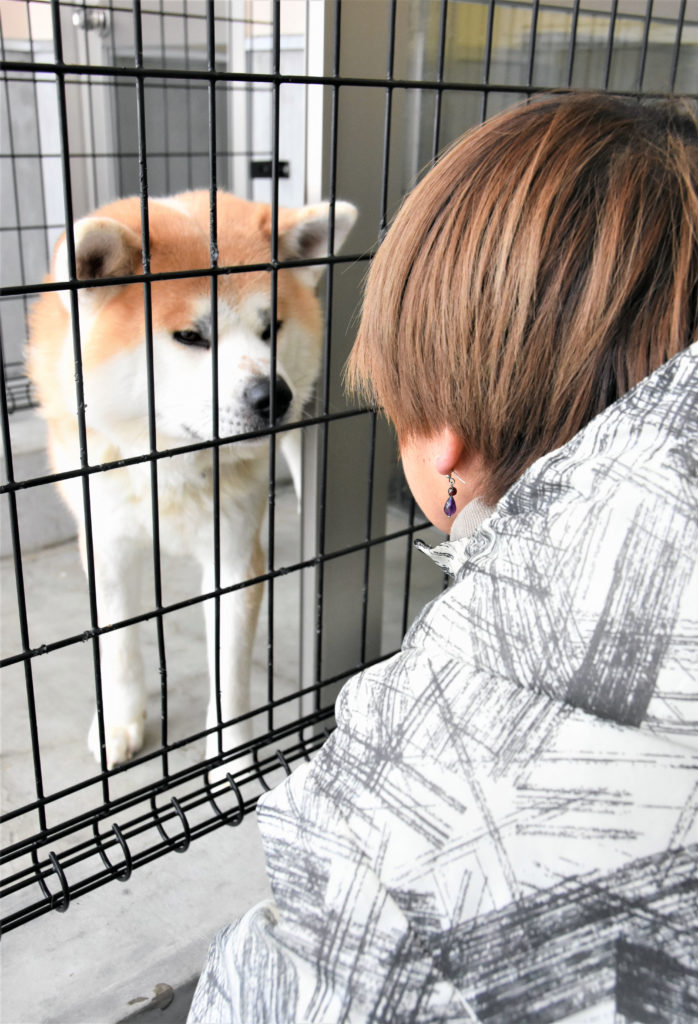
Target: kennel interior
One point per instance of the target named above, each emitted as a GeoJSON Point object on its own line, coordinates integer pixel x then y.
{"type": "Point", "coordinates": [288, 103]}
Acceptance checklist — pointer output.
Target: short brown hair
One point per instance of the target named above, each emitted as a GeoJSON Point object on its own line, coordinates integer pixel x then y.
{"type": "Point", "coordinates": [546, 264]}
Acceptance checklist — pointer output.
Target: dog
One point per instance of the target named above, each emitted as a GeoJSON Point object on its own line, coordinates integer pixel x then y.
{"type": "Point", "coordinates": [121, 398]}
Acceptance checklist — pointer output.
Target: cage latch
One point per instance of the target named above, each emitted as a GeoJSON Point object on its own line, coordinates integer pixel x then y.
{"type": "Point", "coordinates": [263, 168]}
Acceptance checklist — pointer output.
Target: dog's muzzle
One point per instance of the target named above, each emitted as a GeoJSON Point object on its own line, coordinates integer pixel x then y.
{"type": "Point", "coordinates": [258, 397]}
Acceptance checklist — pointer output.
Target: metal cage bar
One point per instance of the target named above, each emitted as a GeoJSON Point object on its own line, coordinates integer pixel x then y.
{"type": "Point", "coordinates": [79, 389]}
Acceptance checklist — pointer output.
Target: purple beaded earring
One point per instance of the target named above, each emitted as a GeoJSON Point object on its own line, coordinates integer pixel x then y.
{"type": "Point", "coordinates": [450, 506]}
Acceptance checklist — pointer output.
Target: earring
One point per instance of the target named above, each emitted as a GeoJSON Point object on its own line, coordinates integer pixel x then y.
{"type": "Point", "coordinates": [450, 506]}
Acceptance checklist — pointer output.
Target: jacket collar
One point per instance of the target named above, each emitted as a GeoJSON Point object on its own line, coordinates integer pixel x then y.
{"type": "Point", "coordinates": [449, 554]}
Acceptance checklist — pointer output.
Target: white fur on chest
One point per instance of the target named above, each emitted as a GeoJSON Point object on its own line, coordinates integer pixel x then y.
{"type": "Point", "coordinates": [122, 499]}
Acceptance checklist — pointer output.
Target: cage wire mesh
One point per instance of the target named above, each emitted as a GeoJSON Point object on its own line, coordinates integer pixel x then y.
{"type": "Point", "coordinates": [283, 103]}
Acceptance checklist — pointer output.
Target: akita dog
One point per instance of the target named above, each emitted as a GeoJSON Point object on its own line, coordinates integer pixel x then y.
{"type": "Point", "coordinates": [120, 398]}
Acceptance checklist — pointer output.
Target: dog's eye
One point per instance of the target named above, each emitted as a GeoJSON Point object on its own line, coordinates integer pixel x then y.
{"type": "Point", "coordinates": [266, 333]}
{"type": "Point", "coordinates": [192, 338]}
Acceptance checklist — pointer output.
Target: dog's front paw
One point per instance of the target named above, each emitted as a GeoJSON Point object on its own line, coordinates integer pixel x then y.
{"type": "Point", "coordinates": [238, 735]}
{"type": "Point", "coordinates": [122, 741]}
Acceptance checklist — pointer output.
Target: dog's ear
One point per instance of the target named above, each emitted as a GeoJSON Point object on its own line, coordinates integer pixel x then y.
{"type": "Point", "coordinates": [305, 234]}
{"type": "Point", "coordinates": [104, 249]}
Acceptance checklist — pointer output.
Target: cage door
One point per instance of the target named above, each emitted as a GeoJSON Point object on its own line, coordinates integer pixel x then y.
{"type": "Point", "coordinates": [175, 153]}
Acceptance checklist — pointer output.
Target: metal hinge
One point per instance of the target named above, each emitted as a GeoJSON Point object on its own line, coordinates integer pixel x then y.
{"type": "Point", "coordinates": [92, 19]}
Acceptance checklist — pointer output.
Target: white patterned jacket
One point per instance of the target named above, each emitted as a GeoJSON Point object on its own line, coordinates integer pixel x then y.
{"type": "Point", "coordinates": [503, 826]}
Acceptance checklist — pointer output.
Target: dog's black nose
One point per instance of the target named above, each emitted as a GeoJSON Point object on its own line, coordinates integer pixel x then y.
{"type": "Point", "coordinates": [258, 397]}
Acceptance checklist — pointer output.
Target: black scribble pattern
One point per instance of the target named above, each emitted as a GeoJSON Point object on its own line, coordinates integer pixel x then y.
{"type": "Point", "coordinates": [504, 825]}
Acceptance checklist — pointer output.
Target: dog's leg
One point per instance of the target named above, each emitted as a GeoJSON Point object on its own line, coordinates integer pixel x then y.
{"type": "Point", "coordinates": [291, 449]}
{"type": "Point", "coordinates": [238, 623]}
{"type": "Point", "coordinates": [117, 577]}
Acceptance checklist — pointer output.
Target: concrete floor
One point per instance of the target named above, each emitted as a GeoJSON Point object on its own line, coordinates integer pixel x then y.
{"type": "Point", "coordinates": [137, 948]}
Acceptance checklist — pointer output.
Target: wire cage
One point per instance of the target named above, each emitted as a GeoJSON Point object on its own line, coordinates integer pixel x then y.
{"type": "Point", "coordinates": [286, 103]}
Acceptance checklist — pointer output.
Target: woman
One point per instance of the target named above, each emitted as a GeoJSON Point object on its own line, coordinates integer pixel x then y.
{"type": "Point", "coordinates": [503, 826]}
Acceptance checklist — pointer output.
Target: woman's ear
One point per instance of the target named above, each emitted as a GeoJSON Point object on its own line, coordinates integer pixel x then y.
{"type": "Point", "coordinates": [451, 451]}
{"type": "Point", "coordinates": [456, 458]}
